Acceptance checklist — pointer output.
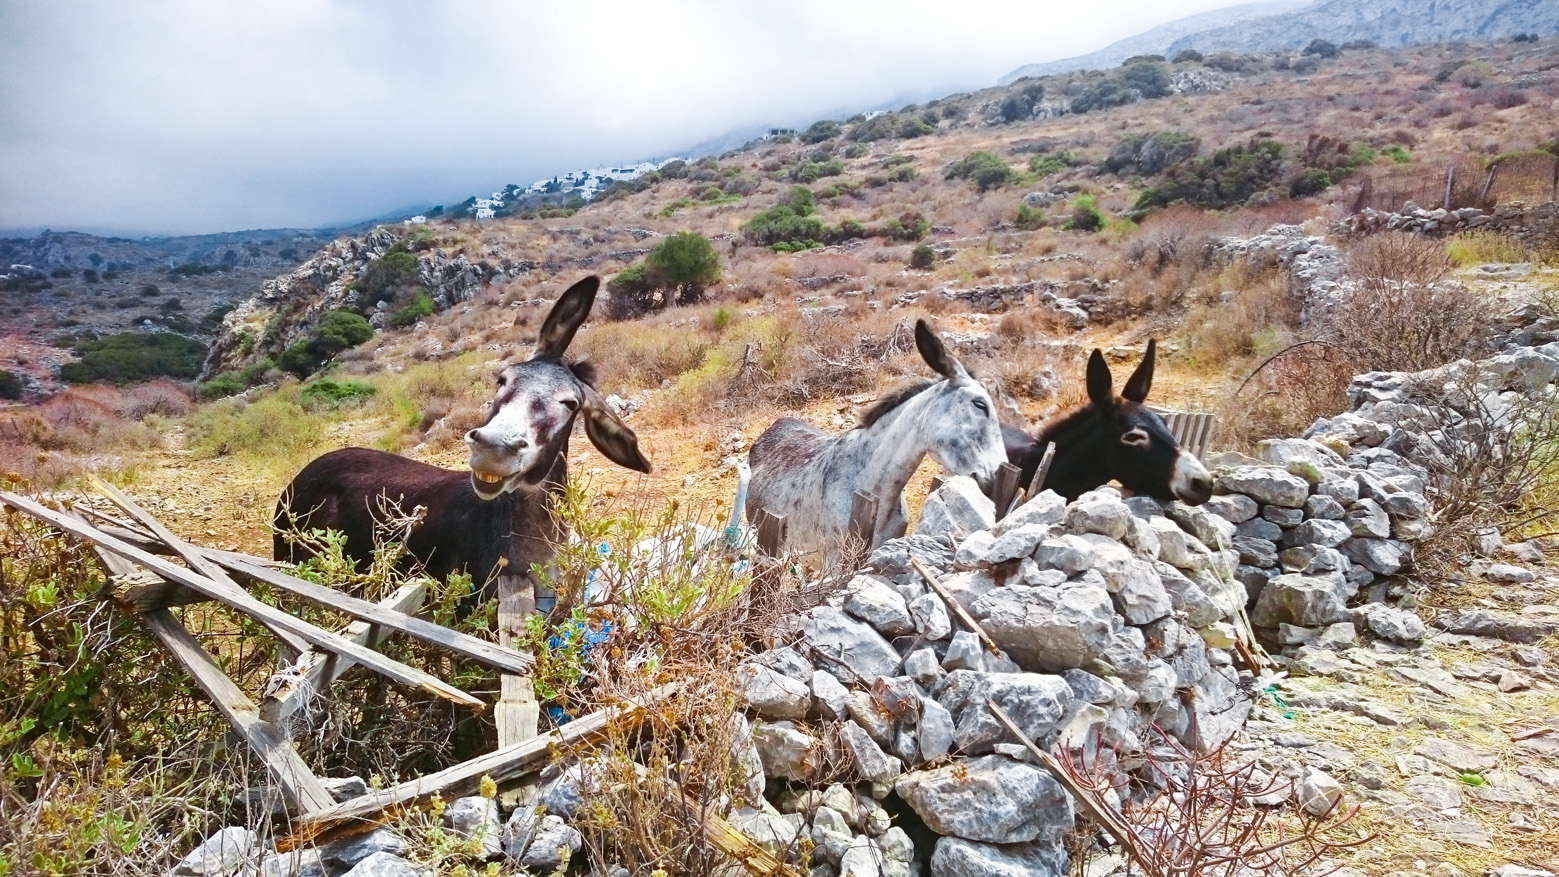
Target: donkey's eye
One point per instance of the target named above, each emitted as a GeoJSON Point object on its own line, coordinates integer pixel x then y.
{"type": "Point", "coordinates": [980, 406]}
{"type": "Point", "coordinates": [570, 404]}
{"type": "Point", "coordinates": [1137, 438]}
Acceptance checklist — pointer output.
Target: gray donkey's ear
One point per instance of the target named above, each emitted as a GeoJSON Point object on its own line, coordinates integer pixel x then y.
{"type": "Point", "coordinates": [610, 435]}
{"type": "Point", "coordinates": [565, 318]}
{"type": "Point", "coordinates": [935, 353]}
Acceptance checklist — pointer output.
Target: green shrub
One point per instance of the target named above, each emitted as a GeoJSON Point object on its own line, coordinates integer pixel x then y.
{"type": "Point", "coordinates": [135, 356]}
{"type": "Point", "coordinates": [1322, 49]}
{"type": "Point", "coordinates": [1397, 153]}
{"type": "Point", "coordinates": [985, 169]}
{"type": "Point", "coordinates": [820, 131]}
{"type": "Point", "coordinates": [420, 306]}
{"type": "Point", "coordinates": [228, 383]}
{"type": "Point", "coordinates": [922, 257]}
{"type": "Point", "coordinates": [1052, 163]}
{"type": "Point", "coordinates": [1227, 178]}
{"type": "Point", "coordinates": [913, 127]}
{"type": "Point", "coordinates": [688, 262]}
{"type": "Point", "coordinates": [333, 394]}
{"type": "Point", "coordinates": [10, 385]}
{"type": "Point", "coordinates": [1309, 182]}
{"type": "Point", "coordinates": [1029, 217]}
{"type": "Point", "coordinates": [788, 222]}
{"type": "Point", "coordinates": [1188, 56]}
{"type": "Point", "coordinates": [1361, 154]}
{"type": "Point", "coordinates": [903, 173]}
{"type": "Point", "coordinates": [1085, 215]}
{"type": "Point", "coordinates": [387, 275]}
{"type": "Point", "coordinates": [909, 226]}
{"type": "Point", "coordinates": [338, 331]}
{"type": "Point", "coordinates": [1149, 78]}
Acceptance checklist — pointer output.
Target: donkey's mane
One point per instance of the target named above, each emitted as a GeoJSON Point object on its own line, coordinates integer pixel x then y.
{"type": "Point", "coordinates": [893, 399]}
{"type": "Point", "coordinates": [1060, 424]}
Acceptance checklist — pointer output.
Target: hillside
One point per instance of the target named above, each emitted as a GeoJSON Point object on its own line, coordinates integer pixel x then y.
{"type": "Point", "coordinates": [1390, 23]}
{"type": "Point", "coordinates": [1157, 41]}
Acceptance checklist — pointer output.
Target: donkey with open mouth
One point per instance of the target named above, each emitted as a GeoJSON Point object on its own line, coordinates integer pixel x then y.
{"type": "Point", "coordinates": [500, 512]}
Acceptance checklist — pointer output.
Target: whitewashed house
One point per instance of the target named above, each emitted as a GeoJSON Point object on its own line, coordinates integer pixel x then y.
{"type": "Point", "coordinates": [484, 213]}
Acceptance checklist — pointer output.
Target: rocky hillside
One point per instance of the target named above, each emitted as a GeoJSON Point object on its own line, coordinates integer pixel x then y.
{"type": "Point", "coordinates": [1158, 40]}
{"type": "Point", "coordinates": [1384, 22]}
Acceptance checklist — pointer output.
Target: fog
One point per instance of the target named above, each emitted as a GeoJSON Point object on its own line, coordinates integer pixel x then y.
{"type": "Point", "coordinates": [167, 117]}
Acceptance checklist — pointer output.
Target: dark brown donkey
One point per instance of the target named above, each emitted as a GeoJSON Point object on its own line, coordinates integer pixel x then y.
{"type": "Point", "coordinates": [502, 509]}
{"type": "Point", "coordinates": [1111, 438]}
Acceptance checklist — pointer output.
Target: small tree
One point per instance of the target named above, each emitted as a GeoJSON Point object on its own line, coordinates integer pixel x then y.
{"type": "Point", "coordinates": [1322, 49]}
{"type": "Point", "coordinates": [985, 169]}
{"type": "Point", "coordinates": [10, 385]}
{"type": "Point", "coordinates": [688, 262]}
{"type": "Point", "coordinates": [922, 257]}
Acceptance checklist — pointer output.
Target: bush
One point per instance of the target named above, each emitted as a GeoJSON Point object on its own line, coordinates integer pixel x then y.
{"type": "Point", "coordinates": [1189, 56]}
{"type": "Point", "coordinates": [420, 306]}
{"type": "Point", "coordinates": [333, 394]}
{"type": "Point", "coordinates": [338, 331]}
{"type": "Point", "coordinates": [1397, 153]}
{"type": "Point", "coordinates": [1053, 162]}
{"type": "Point", "coordinates": [1085, 215]}
{"type": "Point", "coordinates": [1227, 178]}
{"type": "Point", "coordinates": [10, 385]}
{"type": "Point", "coordinates": [1149, 78]}
{"type": "Point", "coordinates": [1310, 182]}
{"type": "Point", "coordinates": [688, 262]}
{"type": "Point", "coordinates": [788, 222]}
{"type": "Point", "coordinates": [135, 356]}
{"type": "Point", "coordinates": [985, 169]}
{"type": "Point", "coordinates": [909, 226]}
{"type": "Point", "coordinates": [387, 275]}
{"type": "Point", "coordinates": [1029, 217]}
{"type": "Point", "coordinates": [228, 383]}
{"type": "Point", "coordinates": [1400, 314]}
{"type": "Point", "coordinates": [922, 257]}
{"type": "Point", "coordinates": [820, 131]}
{"type": "Point", "coordinates": [1322, 49]}
{"type": "Point", "coordinates": [1016, 108]}
{"type": "Point", "coordinates": [1147, 154]}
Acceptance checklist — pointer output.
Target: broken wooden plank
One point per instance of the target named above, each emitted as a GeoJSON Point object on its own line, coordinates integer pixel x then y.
{"type": "Point", "coordinates": [503, 765]}
{"type": "Point", "coordinates": [243, 601]}
{"type": "Point", "coordinates": [314, 670]}
{"type": "Point", "coordinates": [1004, 489]}
{"type": "Point", "coordinates": [184, 550]}
{"type": "Point", "coordinates": [301, 789]}
{"type": "Point", "coordinates": [862, 528]}
{"type": "Point", "coordinates": [725, 837]}
{"type": "Point", "coordinates": [1042, 471]}
{"type": "Point", "coordinates": [499, 657]}
{"type": "Point", "coordinates": [954, 606]}
{"type": "Point", "coordinates": [771, 533]}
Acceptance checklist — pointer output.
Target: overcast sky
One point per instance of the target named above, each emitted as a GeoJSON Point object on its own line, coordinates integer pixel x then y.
{"type": "Point", "coordinates": [170, 117]}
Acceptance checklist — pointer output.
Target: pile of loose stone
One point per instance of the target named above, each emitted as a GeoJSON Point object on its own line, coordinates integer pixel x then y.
{"type": "Point", "coordinates": [1417, 219]}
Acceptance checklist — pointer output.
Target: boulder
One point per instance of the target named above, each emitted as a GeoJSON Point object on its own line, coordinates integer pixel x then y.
{"type": "Point", "coordinates": [348, 852]}
{"type": "Point", "coordinates": [1098, 512]}
{"type": "Point", "coordinates": [1015, 543]}
{"type": "Point", "coordinates": [539, 840]}
{"type": "Point", "coordinates": [1281, 452]}
{"type": "Point", "coordinates": [1036, 702]}
{"type": "Point", "coordinates": [844, 643]}
{"type": "Point", "coordinates": [1317, 531]}
{"type": "Point", "coordinates": [1209, 529]}
{"type": "Point", "coordinates": [1048, 629]}
{"type": "Point", "coordinates": [1265, 485]}
{"type": "Point", "coordinates": [786, 751]}
{"type": "Point", "coordinates": [861, 858]}
{"type": "Point", "coordinates": [475, 818]}
{"type": "Point", "coordinates": [1187, 598]}
{"type": "Point", "coordinates": [1303, 600]}
{"type": "Point", "coordinates": [1261, 553]}
{"type": "Point", "coordinates": [874, 600]}
{"type": "Point", "coordinates": [956, 508]}
{"type": "Point", "coordinates": [1396, 625]}
{"type": "Point", "coordinates": [1324, 508]}
{"type": "Point", "coordinates": [1045, 509]}
{"type": "Point", "coordinates": [935, 731]}
{"type": "Point", "coordinates": [1069, 554]}
{"type": "Point", "coordinates": [385, 865]}
{"type": "Point", "coordinates": [1367, 520]}
{"type": "Point", "coordinates": [873, 764]}
{"type": "Point", "coordinates": [929, 614]}
{"type": "Point", "coordinates": [991, 799]}
{"type": "Point", "coordinates": [1383, 556]}
{"type": "Point", "coordinates": [221, 854]}
{"type": "Point", "coordinates": [1236, 508]}
{"type": "Point", "coordinates": [1179, 548]}
{"type": "Point", "coordinates": [771, 695]}
{"type": "Point", "coordinates": [956, 857]}
{"type": "Point", "coordinates": [830, 696]}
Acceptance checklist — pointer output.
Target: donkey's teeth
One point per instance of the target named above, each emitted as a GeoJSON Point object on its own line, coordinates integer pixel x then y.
{"type": "Point", "coordinates": [488, 479]}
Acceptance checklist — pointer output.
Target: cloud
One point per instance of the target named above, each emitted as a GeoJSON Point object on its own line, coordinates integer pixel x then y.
{"type": "Point", "coordinates": [184, 116]}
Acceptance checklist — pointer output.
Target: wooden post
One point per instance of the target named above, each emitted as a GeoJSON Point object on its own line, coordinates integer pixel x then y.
{"type": "Point", "coordinates": [863, 525]}
{"type": "Point", "coordinates": [936, 483]}
{"type": "Point", "coordinates": [1004, 490]}
{"type": "Point", "coordinates": [1488, 184]}
{"type": "Point", "coordinates": [1043, 471]}
{"type": "Point", "coordinates": [1450, 180]}
{"type": "Point", "coordinates": [517, 712]}
{"type": "Point", "coordinates": [771, 534]}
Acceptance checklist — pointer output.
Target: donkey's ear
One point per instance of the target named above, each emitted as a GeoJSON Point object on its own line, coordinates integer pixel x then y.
{"type": "Point", "coordinates": [566, 317]}
{"type": "Point", "coordinates": [1141, 380]}
{"type": "Point", "coordinates": [935, 354]}
{"type": "Point", "coordinates": [1099, 381]}
{"type": "Point", "coordinates": [610, 435]}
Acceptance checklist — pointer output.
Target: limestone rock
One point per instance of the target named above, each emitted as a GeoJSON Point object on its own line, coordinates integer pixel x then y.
{"type": "Point", "coordinates": [220, 854]}
{"type": "Point", "coordinates": [1036, 702]}
{"type": "Point", "coordinates": [1267, 486]}
{"type": "Point", "coordinates": [956, 857]}
{"type": "Point", "coordinates": [873, 600]}
{"type": "Point", "coordinates": [770, 694]}
{"type": "Point", "coordinates": [991, 799]}
{"type": "Point", "coordinates": [956, 508]}
{"type": "Point", "coordinates": [1049, 629]}
{"type": "Point", "coordinates": [476, 818]}
{"type": "Point", "coordinates": [850, 643]}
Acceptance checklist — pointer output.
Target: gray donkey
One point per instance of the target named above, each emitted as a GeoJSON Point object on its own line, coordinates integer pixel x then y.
{"type": "Point", "coordinates": [811, 477]}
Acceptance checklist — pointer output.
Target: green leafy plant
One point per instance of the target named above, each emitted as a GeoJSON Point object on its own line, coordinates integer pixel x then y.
{"type": "Point", "coordinates": [333, 394]}
{"type": "Point", "coordinates": [135, 356]}
{"type": "Point", "coordinates": [421, 305]}
{"type": "Point", "coordinates": [984, 169]}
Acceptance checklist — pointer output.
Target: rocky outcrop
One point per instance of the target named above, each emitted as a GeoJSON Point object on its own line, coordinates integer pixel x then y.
{"type": "Point", "coordinates": [289, 307]}
{"type": "Point", "coordinates": [1388, 23]}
